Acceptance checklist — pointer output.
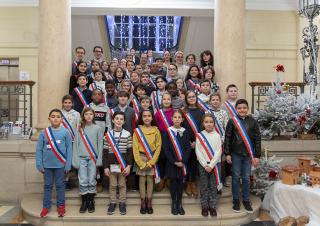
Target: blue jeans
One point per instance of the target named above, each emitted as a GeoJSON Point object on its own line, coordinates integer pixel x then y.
{"type": "Point", "coordinates": [241, 168]}
{"type": "Point", "coordinates": [54, 175]}
{"type": "Point", "coordinates": [87, 176]}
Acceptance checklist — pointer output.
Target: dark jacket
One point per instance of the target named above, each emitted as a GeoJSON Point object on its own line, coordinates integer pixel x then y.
{"type": "Point", "coordinates": [77, 104]}
{"type": "Point", "coordinates": [197, 114]}
{"type": "Point", "coordinates": [172, 171]}
{"type": "Point", "coordinates": [233, 141]}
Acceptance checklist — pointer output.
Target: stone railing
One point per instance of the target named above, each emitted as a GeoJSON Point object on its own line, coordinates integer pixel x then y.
{"type": "Point", "coordinates": [16, 104]}
{"type": "Point", "coordinates": [259, 92]}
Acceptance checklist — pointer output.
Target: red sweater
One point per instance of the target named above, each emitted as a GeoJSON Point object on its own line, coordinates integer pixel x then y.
{"type": "Point", "coordinates": [161, 125]}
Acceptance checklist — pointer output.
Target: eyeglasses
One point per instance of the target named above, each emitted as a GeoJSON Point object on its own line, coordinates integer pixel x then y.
{"type": "Point", "coordinates": [172, 69]}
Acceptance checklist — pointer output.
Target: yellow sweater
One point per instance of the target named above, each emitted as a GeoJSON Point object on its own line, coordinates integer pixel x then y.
{"type": "Point", "coordinates": [153, 137]}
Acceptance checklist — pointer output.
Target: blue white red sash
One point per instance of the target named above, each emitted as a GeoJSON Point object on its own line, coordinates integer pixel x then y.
{"type": "Point", "coordinates": [191, 122]}
{"type": "Point", "coordinates": [210, 153]}
{"type": "Point", "coordinates": [164, 118]}
{"type": "Point", "coordinates": [241, 129]}
{"type": "Point", "coordinates": [195, 85]}
{"type": "Point", "coordinates": [151, 82]}
{"type": "Point", "coordinates": [206, 108]}
{"type": "Point", "coordinates": [115, 150]}
{"type": "Point", "coordinates": [81, 96]}
{"type": "Point", "coordinates": [93, 86]}
{"type": "Point", "coordinates": [67, 125]}
{"type": "Point", "coordinates": [111, 112]}
{"type": "Point", "coordinates": [136, 107]}
{"type": "Point", "coordinates": [147, 150]}
{"type": "Point", "coordinates": [108, 76]}
{"type": "Point", "coordinates": [88, 145]}
{"type": "Point", "coordinates": [54, 146]}
{"type": "Point", "coordinates": [104, 99]}
{"type": "Point", "coordinates": [156, 101]}
{"type": "Point", "coordinates": [177, 148]}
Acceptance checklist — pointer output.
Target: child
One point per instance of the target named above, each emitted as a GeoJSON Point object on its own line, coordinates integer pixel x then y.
{"type": "Point", "coordinates": [119, 76]}
{"type": "Point", "coordinates": [182, 94]}
{"type": "Point", "coordinates": [80, 69]}
{"type": "Point", "coordinates": [242, 129]}
{"type": "Point", "coordinates": [127, 87]}
{"type": "Point", "coordinates": [154, 72]}
{"type": "Point", "coordinates": [176, 148]}
{"type": "Point", "coordinates": [145, 103]}
{"type": "Point", "coordinates": [172, 73]}
{"type": "Point", "coordinates": [87, 148]}
{"type": "Point", "coordinates": [134, 78]}
{"type": "Point", "coordinates": [232, 95]}
{"type": "Point", "coordinates": [146, 150]}
{"type": "Point", "coordinates": [208, 151]}
{"type": "Point", "coordinates": [112, 70]}
{"type": "Point", "coordinates": [111, 97]}
{"type": "Point", "coordinates": [129, 68]}
{"type": "Point", "coordinates": [177, 102]}
{"type": "Point", "coordinates": [98, 82]}
{"type": "Point", "coordinates": [104, 69]}
{"type": "Point", "coordinates": [117, 145]}
{"type": "Point", "coordinates": [209, 74]}
{"type": "Point", "coordinates": [193, 79]}
{"type": "Point", "coordinates": [180, 83]}
{"type": "Point", "coordinates": [205, 91]}
{"type": "Point", "coordinates": [53, 159]}
{"type": "Point", "coordinates": [81, 95]}
{"type": "Point", "coordinates": [206, 59]}
{"type": "Point", "coordinates": [123, 98]}
{"type": "Point", "coordinates": [190, 59]}
{"type": "Point", "coordinates": [70, 121]}
{"type": "Point", "coordinates": [157, 95]}
{"type": "Point", "coordinates": [95, 66]}
{"type": "Point", "coordinates": [193, 115]}
{"type": "Point", "coordinates": [145, 80]}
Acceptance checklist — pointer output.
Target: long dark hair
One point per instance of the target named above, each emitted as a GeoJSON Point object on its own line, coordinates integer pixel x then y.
{"type": "Point", "coordinates": [202, 63]}
{"type": "Point", "coordinates": [206, 115]}
{"type": "Point", "coordinates": [186, 99]}
{"type": "Point", "coordinates": [189, 75]}
{"type": "Point", "coordinates": [140, 121]}
{"type": "Point", "coordinates": [77, 72]}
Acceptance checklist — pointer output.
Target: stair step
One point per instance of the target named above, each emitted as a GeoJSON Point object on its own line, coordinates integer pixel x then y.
{"type": "Point", "coordinates": [32, 204]}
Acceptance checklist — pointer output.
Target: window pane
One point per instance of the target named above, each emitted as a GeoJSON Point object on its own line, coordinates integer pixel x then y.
{"type": "Point", "coordinates": [162, 19]}
{"type": "Point", "coordinates": [117, 43]}
{"type": "Point", "coordinates": [144, 30]}
{"type": "Point", "coordinates": [135, 43]}
{"type": "Point", "coordinates": [135, 19]}
{"type": "Point", "coordinates": [144, 19]}
{"type": "Point", "coordinates": [162, 31]}
{"type": "Point", "coordinates": [152, 19]}
{"type": "Point", "coordinates": [125, 43]}
{"type": "Point", "coordinates": [117, 30]}
{"type": "Point", "coordinates": [170, 19]}
{"type": "Point", "coordinates": [170, 31]}
{"type": "Point", "coordinates": [125, 19]}
{"type": "Point", "coordinates": [135, 30]}
{"type": "Point", "coordinates": [152, 31]}
{"type": "Point", "coordinates": [117, 19]}
{"type": "Point", "coordinates": [169, 43]}
{"type": "Point", "coordinates": [152, 42]}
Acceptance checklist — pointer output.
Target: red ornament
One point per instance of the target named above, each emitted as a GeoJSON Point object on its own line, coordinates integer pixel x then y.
{"type": "Point", "coordinates": [280, 68]}
{"type": "Point", "coordinates": [273, 175]}
{"type": "Point", "coordinates": [278, 91]}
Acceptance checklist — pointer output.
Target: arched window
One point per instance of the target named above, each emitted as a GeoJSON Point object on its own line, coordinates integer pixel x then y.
{"type": "Point", "coordinates": [144, 32]}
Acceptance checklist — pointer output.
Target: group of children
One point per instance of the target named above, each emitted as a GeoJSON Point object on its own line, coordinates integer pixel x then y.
{"type": "Point", "coordinates": [152, 131]}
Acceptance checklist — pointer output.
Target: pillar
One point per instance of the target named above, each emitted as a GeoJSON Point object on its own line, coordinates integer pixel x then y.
{"type": "Point", "coordinates": [229, 44]}
{"type": "Point", "coordinates": [54, 67]}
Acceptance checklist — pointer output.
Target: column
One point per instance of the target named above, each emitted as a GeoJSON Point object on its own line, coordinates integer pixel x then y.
{"type": "Point", "coordinates": [229, 44]}
{"type": "Point", "coordinates": [54, 65]}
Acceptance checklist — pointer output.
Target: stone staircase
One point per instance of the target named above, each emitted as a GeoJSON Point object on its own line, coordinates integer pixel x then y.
{"type": "Point", "coordinates": [31, 205]}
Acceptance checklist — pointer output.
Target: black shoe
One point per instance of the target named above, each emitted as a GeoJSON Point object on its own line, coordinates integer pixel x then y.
{"type": "Point", "coordinates": [236, 206]}
{"type": "Point", "coordinates": [143, 208]}
{"type": "Point", "coordinates": [248, 207]}
{"type": "Point", "coordinates": [213, 212]}
{"type": "Point", "coordinates": [180, 208]}
{"type": "Point", "coordinates": [91, 207]}
{"type": "Point", "coordinates": [174, 208]}
{"type": "Point", "coordinates": [122, 208]}
{"type": "Point", "coordinates": [149, 206]}
{"type": "Point", "coordinates": [111, 208]}
{"type": "Point", "coordinates": [84, 204]}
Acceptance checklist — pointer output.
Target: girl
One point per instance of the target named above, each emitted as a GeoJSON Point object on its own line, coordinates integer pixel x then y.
{"type": "Point", "coordinates": [146, 150]}
{"type": "Point", "coordinates": [176, 148]}
{"type": "Point", "coordinates": [80, 69]}
{"type": "Point", "coordinates": [206, 59]}
{"type": "Point", "coordinates": [112, 70]}
{"type": "Point", "coordinates": [164, 121]}
{"type": "Point", "coordinates": [95, 66]}
{"type": "Point", "coordinates": [191, 59]}
{"type": "Point", "coordinates": [208, 151]}
{"type": "Point", "coordinates": [193, 115]}
{"type": "Point", "coordinates": [119, 76]}
{"type": "Point", "coordinates": [209, 74]}
{"type": "Point", "coordinates": [139, 69]}
{"type": "Point", "coordinates": [172, 73]}
{"type": "Point", "coordinates": [123, 64]}
{"type": "Point", "coordinates": [166, 59]}
{"type": "Point", "coordinates": [105, 68]}
{"type": "Point", "coordinates": [182, 69]}
{"type": "Point", "coordinates": [129, 68]}
{"type": "Point", "coordinates": [193, 78]}
{"type": "Point", "coordinates": [156, 96]}
{"type": "Point", "coordinates": [180, 83]}
{"type": "Point", "coordinates": [87, 156]}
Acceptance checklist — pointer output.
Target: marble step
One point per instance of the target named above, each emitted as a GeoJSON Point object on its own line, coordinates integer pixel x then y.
{"type": "Point", "coordinates": [31, 206]}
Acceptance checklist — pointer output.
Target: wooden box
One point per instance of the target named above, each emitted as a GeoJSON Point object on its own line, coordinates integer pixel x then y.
{"type": "Point", "coordinates": [290, 174]}
{"type": "Point", "coordinates": [315, 177]}
{"type": "Point", "coordinates": [304, 165]}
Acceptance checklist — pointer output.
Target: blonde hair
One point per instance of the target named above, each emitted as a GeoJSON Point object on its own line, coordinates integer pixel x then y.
{"type": "Point", "coordinates": [83, 121]}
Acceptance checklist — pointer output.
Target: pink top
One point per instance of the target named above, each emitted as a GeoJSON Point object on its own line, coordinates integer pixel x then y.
{"type": "Point", "coordinates": [161, 124]}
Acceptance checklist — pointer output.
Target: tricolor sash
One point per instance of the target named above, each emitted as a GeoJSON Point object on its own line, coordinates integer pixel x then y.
{"type": "Point", "coordinates": [206, 108]}
{"type": "Point", "coordinates": [156, 101]}
{"type": "Point", "coordinates": [147, 150]}
{"type": "Point", "coordinates": [191, 122]}
{"type": "Point", "coordinates": [111, 112]}
{"type": "Point", "coordinates": [195, 85]}
{"type": "Point", "coordinates": [115, 150]}
{"type": "Point", "coordinates": [54, 146]}
{"type": "Point", "coordinates": [210, 153]}
{"type": "Point", "coordinates": [241, 129]}
{"type": "Point", "coordinates": [67, 125]}
{"type": "Point", "coordinates": [164, 118]}
{"type": "Point", "coordinates": [177, 149]}
{"type": "Point", "coordinates": [108, 76]}
{"type": "Point", "coordinates": [93, 86]}
{"type": "Point", "coordinates": [88, 145]}
{"type": "Point", "coordinates": [81, 96]}
{"type": "Point", "coordinates": [136, 107]}
{"type": "Point", "coordinates": [151, 82]}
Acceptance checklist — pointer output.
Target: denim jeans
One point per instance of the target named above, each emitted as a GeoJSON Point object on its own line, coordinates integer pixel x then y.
{"type": "Point", "coordinates": [241, 168]}
{"type": "Point", "coordinates": [87, 176]}
{"type": "Point", "coordinates": [54, 175]}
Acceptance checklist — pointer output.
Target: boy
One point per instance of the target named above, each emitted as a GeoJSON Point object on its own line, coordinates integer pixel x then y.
{"type": "Point", "coordinates": [177, 102]}
{"type": "Point", "coordinates": [241, 155]}
{"type": "Point", "coordinates": [81, 95]}
{"type": "Point", "coordinates": [117, 142]}
{"type": "Point", "coordinates": [145, 102]}
{"type": "Point", "coordinates": [123, 98]}
{"type": "Point", "coordinates": [154, 72]}
{"type": "Point", "coordinates": [98, 82]}
{"type": "Point", "coordinates": [53, 159]}
{"type": "Point", "coordinates": [161, 69]}
{"type": "Point", "coordinates": [232, 96]}
{"type": "Point", "coordinates": [145, 80]}
{"type": "Point", "coordinates": [205, 87]}
{"type": "Point", "coordinates": [112, 100]}
{"type": "Point", "coordinates": [70, 121]}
